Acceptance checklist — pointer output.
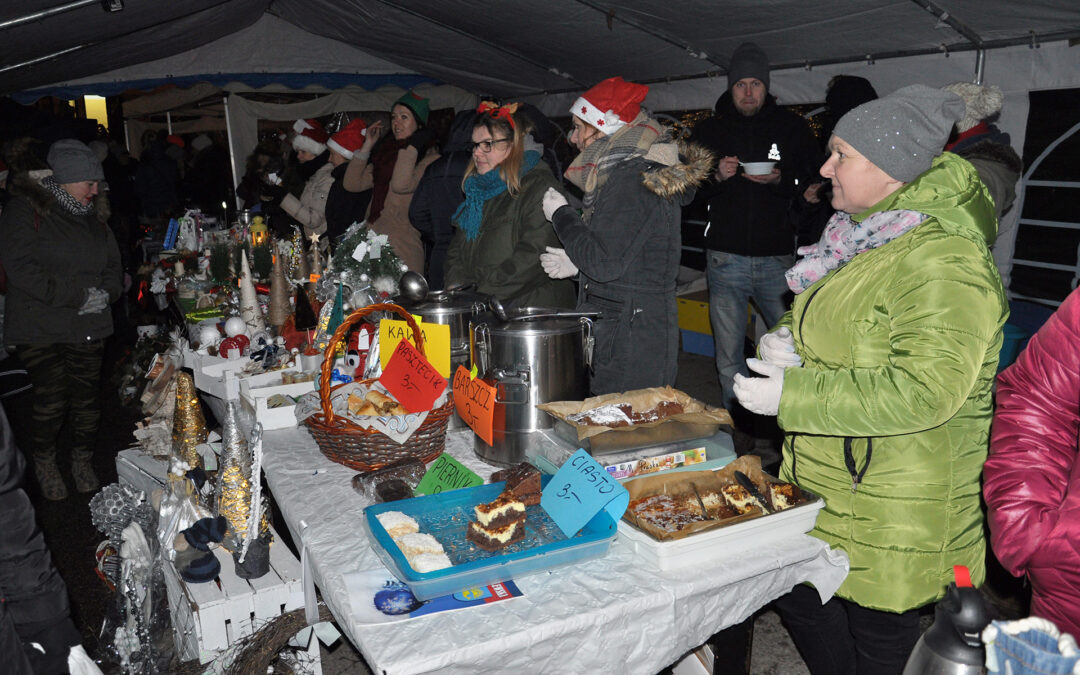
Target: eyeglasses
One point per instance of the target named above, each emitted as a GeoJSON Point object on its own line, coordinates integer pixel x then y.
{"type": "Point", "coordinates": [486, 146]}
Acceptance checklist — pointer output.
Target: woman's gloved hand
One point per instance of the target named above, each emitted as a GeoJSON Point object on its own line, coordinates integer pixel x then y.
{"type": "Point", "coordinates": [760, 395]}
{"type": "Point", "coordinates": [778, 348]}
{"type": "Point", "coordinates": [553, 201]}
{"type": "Point", "coordinates": [95, 300]}
{"type": "Point", "coordinates": [557, 264]}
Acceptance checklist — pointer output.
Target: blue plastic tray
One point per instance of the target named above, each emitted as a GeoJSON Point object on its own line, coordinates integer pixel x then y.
{"type": "Point", "coordinates": [446, 517]}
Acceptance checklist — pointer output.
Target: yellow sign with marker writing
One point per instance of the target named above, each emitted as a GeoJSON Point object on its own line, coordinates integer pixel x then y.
{"type": "Point", "coordinates": [436, 342]}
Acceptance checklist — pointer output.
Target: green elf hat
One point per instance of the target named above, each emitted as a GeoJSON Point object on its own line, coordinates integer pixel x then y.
{"type": "Point", "coordinates": [417, 104]}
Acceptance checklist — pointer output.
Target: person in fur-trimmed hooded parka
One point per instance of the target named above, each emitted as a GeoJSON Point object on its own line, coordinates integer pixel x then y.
{"type": "Point", "coordinates": [63, 268]}
{"type": "Point", "coordinates": [627, 241]}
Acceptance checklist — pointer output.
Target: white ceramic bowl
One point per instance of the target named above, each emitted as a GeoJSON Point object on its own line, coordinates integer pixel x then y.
{"type": "Point", "coordinates": [757, 168]}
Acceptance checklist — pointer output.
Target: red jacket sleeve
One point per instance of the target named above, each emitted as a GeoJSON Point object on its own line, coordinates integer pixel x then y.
{"type": "Point", "coordinates": [1033, 513]}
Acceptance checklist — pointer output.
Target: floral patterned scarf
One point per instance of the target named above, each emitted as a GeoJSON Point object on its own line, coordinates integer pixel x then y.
{"type": "Point", "coordinates": [843, 239]}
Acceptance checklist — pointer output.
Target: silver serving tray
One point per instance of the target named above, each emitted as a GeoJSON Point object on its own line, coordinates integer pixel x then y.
{"type": "Point", "coordinates": [671, 431]}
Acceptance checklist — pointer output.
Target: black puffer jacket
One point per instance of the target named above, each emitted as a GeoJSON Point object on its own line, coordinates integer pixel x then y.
{"type": "Point", "coordinates": [51, 257]}
{"type": "Point", "coordinates": [33, 598]}
{"type": "Point", "coordinates": [343, 208]}
{"type": "Point", "coordinates": [747, 218]}
{"type": "Point", "coordinates": [439, 194]}
{"type": "Point", "coordinates": [628, 256]}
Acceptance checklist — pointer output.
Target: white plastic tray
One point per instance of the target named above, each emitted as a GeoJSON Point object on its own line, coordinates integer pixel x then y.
{"type": "Point", "coordinates": [705, 548]}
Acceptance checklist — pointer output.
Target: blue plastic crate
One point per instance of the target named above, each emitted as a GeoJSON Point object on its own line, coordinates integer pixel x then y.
{"type": "Point", "coordinates": [697, 343]}
{"type": "Point", "coordinates": [446, 516]}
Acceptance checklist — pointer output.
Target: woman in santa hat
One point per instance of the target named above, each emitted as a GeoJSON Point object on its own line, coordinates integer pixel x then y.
{"type": "Point", "coordinates": [391, 170]}
{"type": "Point", "coordinates": [500, 232]}
{"type": "Point", "coordinates": [343, 208]}
{"type": "Point", "coordinates": [627, 241]}
{"type": "Point", "coordinates": [310, 209]}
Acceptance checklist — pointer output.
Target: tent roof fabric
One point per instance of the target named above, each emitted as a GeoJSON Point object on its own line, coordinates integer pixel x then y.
{"type": "Point", "coordinates": [501, 48]}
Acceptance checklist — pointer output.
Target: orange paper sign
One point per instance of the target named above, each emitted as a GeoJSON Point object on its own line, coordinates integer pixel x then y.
{"type": "Point", "coordinates": [475, 403]}
{"type": "Point", "coordinates": [411, 379]}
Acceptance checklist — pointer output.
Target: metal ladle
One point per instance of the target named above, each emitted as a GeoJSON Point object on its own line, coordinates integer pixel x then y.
{"type": "Point", "coordinates": [497, 308]}
{"type": "Point", "coordinates": [414, 287]}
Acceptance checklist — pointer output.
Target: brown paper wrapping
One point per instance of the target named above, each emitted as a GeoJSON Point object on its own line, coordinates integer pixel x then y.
{"type": "Point", "coordinates": [695, 412]}
{"type": "Point", "coordinates": [679, 482]}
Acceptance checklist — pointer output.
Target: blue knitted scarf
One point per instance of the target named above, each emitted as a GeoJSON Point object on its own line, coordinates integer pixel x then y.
{"type": "Point", "coordinates": [481, 187]}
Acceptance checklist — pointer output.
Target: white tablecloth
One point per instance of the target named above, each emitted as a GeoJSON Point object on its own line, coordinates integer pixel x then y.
{"type": "Point", "coordinates": [615, 614]}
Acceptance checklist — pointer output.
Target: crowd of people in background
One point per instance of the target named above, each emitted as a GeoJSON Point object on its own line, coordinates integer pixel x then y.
{"type": "Point", "coordinates": [867, 252]}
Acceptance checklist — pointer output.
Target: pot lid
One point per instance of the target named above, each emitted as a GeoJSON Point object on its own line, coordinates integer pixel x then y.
{"type": "Point", "coordinates": [534, 321]}
{"type": "Point", "coordinates": [447, 302]}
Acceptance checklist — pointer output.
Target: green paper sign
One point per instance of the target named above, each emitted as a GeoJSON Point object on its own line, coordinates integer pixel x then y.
{"type": "Point", "coordinates": [445, 474]}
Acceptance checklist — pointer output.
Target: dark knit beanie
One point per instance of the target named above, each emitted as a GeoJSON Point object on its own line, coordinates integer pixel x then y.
{"type": "Point", "coordinates": [417, 104]}
{"type": "Point", "coordinates": [903, 132]}
{"type": "Point", "coordinates": [73, 161]}
{"type": "Point", "coordinates": [748, 60]}
{"type": "Point", "coordinates": [846, 92]}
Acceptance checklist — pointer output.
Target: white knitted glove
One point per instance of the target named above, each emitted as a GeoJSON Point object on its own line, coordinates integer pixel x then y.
{"type": "Point", "coordinates": [778, 348]}
{"type": "Point", "coordinates": [760, 395]}
{"type": "Point", "coordinates": [553, 201]}
{"type": "Point", "coordinates": [557, 264]}
{"type": "Point", "coordinates": [95, 300]}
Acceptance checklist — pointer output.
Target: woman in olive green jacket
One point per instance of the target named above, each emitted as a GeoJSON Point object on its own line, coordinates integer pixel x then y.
{"type": "Point", "coordinates": [897, 319]}
{"type": "Point", "coordinates": [501, 230]}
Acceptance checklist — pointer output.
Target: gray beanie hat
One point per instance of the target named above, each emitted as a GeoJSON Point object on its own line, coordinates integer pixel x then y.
{"type": "Point", "coordinates": [903, 132]}
{"type": "Point", "coordinates": [748, 60]}
{"type": "Point", "coordinates": [72, 161]}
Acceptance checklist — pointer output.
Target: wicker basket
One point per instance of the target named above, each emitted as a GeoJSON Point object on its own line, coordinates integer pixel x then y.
{"type": "Point", "coordinates": [367, 449]}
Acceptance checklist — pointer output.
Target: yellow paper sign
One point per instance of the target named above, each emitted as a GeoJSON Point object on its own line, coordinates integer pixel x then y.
{"type": "Point", "coordinates": [436, 342]}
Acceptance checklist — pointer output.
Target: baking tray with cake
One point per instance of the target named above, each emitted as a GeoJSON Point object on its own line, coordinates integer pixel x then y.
{"type": "Point", "coordinates": [698, 517]}
{"type": "Point", "coordinates": [447, 517]}
{"type": "Point", "coordinates": [629, 420]}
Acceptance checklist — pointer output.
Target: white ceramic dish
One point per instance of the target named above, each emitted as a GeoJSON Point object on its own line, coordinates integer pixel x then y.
{"type": "Point", "coordinates": [757, 168]}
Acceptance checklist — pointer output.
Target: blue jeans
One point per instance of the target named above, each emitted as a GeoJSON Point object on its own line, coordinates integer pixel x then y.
{"type": "Point", "coordinates": [1021, 648]}
{"type": "Point", "coordinates": [733, 281]}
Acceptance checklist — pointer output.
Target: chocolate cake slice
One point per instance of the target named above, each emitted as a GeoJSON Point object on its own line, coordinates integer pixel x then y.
{"type": "Point", "coordinates": [499, 513]}
{"type": "Point", "coordinates": [522, 482]}
{"type": "Point", "coordinates": [496, 539]}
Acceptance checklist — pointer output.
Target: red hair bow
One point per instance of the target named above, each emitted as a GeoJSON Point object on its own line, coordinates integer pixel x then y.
{"type": "Point", "coordinates": [505, 111]}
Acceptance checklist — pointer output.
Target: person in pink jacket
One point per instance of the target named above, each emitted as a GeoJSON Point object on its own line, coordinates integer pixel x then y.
{"type": "Point", "coordinates": [1031, 481]}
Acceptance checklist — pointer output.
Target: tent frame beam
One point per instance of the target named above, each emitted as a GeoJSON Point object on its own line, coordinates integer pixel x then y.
{"type": "Point", "coordinates": [1032, 40]}
{"type": "Point", "coordinates": [476, 38]}
{"type": "Point", "coordinates": [612, 15]}
{"type": "Point", "coordinates": [46, 13]}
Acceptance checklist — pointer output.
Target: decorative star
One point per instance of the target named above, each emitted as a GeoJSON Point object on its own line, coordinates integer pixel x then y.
{"type": "Point", "coordinates": [599, 123]}
{"type": "Point", "coordinates": [584, 110]}
{"type": "Point", "coordinates": [314, 239]}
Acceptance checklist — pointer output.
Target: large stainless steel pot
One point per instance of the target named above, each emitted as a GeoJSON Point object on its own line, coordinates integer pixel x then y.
{"type": "Point", "coordinates": [456, 309]}
{"type": "Point", "coordinates": [531, 359]}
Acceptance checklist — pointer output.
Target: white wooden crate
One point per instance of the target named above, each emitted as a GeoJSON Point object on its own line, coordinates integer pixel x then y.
{"type": "Point", "coordinates": [209, 618]}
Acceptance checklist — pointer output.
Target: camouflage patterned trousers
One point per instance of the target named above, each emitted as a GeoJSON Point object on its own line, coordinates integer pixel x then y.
{"type": "Point", "coordinates": [66, 379]}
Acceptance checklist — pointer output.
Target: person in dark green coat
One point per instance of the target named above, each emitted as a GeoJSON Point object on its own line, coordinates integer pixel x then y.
{"type": "Point", "coordinates": [881, 377]}
{"type": "Point", "coordinates": [501, 230]}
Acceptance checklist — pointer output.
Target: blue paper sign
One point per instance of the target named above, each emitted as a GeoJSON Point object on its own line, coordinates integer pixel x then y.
{"type": "Point", "coordinates": [579, 490]}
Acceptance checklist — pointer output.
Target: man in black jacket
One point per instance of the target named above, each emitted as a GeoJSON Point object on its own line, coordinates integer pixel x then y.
{"type": "Point", "coordinates": [749, 237]}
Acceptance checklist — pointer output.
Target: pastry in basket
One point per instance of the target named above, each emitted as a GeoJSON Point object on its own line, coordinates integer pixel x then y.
{"type": "Point", "coordinates": [741, 500]}
{"type": "Point", "coordinates": [397, 524]}
{"type": "Point", "coordinates": [375, 403]}
{"type": "Point", "coordinates": [667, 512]}
{"type": "Point", "coordinates": [623, 415]}
{"type": "Point", "coordinates": [522, 482]}
{"type": "Point", "coordinates": [498, 524]}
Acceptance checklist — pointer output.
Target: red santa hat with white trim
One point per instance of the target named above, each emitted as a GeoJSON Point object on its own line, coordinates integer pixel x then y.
{"type": "Point", "coordinates": [349, 139]}
{"type": "Point", "coordinates": [610, 105]}
{"type": "Point", "coordinates": [310, 136]}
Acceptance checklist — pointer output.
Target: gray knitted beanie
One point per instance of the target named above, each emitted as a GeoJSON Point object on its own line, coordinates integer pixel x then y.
{"type": "Point", "coordinates": [748, 60]}
{"type": "Point", "coordinates": [72, 161]}
{"type": "Point", "coordinates": [903, 132]}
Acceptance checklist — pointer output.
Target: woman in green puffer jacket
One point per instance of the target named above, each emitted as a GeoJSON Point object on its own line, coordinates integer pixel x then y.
{"type": "Point", "coordinates": [501, 230]}
{"type": "Point", "coordinates": [881, 377]}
